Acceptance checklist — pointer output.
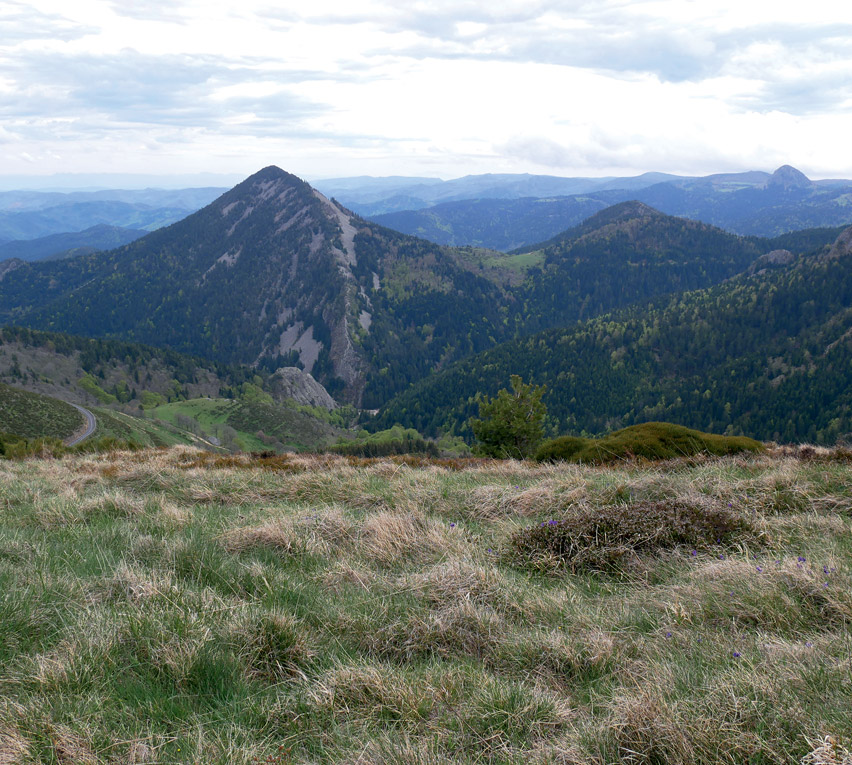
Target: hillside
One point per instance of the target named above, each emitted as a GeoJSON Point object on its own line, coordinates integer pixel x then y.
{"type": "Point", "coordinates": [157, 397]}
{"type": "Point", "coordinates": [90, 372]}
{"type": "Point", "coordinates": [32, 415]}
{"type": "Point", "coordinates": [766, 355]}
{"type": "Point", "coordinates": [498, 224]}
{"type": "Point", "coordinates": [626, 254]}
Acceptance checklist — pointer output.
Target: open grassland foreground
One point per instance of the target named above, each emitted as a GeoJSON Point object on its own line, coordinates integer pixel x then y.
{"type": "Point", "coordinates": [176, 606]}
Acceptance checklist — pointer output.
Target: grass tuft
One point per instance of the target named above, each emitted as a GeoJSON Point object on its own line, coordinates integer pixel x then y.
{"type": "Point", "coordinates": [607, 537]}
{"type": "Point", "coordinates": [273, 646]}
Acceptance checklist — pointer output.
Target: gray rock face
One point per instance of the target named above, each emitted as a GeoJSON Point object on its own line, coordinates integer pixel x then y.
{"type": "Point", "coordinates": [7, 266]}
{"type": "Point", "coordinates": [292, 382]}
{"type": "Point", "coordinates": [842, 245]}
{"type": "Point", "coordinates": [771, 259]}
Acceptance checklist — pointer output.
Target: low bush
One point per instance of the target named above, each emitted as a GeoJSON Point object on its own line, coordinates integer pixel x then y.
{"type": "Point", "coordinates": [605, 537]}
{"type": "Point", "coordinates": [651, 440]}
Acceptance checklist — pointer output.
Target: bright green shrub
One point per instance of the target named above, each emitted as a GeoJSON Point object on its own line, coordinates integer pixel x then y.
{"type": "Point", "coordinates": [650, 440]}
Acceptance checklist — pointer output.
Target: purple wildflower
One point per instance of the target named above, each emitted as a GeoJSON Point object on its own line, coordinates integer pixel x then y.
{"type": "Point", "coordinates": [809, 644]}
{"type": "Point", "coordinates": [694, 553]}
{"type": "Point", "coordinates": [759, 569]}
{"type": "Point", "coordinates": [802, 559]}
{"type": "Point", "coordinates": [737, 654]}
{"type": "Point", "coordinates": [452, 525]}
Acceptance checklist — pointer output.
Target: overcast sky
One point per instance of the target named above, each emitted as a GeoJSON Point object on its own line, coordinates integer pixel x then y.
{"type": "Point", "coordinates": [325, 88]}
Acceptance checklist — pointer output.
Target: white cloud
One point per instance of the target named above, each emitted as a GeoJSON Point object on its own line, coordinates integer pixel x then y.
{"type": "Point", "coordinates": [436, 86]}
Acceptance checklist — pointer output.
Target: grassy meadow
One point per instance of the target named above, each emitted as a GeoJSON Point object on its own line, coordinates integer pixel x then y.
{"type": "Point", "coordinates": [178, 606]}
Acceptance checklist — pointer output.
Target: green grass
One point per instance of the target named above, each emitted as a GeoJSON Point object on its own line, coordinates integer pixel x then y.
{"type": "Point", "coordinates": [514, 266]}
{"type": "Point", "coordinates": [181, 607]}
{"type": "Point", "coordinates": [32, 415]}
{"type": "Point", "coordinates": [142, 431]}
{"type": "Point", "coordinates": [257, 426]}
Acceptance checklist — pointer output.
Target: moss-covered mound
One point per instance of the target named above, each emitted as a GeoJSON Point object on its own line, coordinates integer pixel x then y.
{"type": "Point", "coordinates": [651, 440]}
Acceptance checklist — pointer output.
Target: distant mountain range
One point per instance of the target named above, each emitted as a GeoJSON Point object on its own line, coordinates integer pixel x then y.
{"type": "Point", "coordinates": [746, 203]}
{"type": "Point", "coordinates": [28, 215]}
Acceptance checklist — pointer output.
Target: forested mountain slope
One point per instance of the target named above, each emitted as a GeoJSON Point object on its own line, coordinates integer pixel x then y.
{"type": "Point", "coordinates": [626, 254]}
{"type": "Point", "coordinates": [767, 355]}
{"type": "Point", "coordinates": [272, 273]}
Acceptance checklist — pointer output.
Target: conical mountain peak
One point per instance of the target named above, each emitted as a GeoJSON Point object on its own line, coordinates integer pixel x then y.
{"type": "Point", "coordinates": [787, 177]}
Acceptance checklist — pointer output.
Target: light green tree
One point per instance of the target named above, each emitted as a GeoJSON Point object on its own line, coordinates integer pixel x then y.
{"type": "Point", "coordinates": [510, 425]}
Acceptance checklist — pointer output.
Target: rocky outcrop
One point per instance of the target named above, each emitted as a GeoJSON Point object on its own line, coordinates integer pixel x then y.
{"type": "Point", "coordinates": [774, 259]}
{"type": "Point", "coordinates": [842, 245]}
{"type": "Point", "coordinates": [9, 265]}
{"type": "Point", "coordinates": [293, 383]}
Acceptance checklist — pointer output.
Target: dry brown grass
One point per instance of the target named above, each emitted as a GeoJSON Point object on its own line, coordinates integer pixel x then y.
{"type": "Point", "coordinates": [829, 751]}
{"type": "Point", "coordinates": [372, 692]}
{"type": "Point", "coordinates": [445, 584]}
{"type": "Point", "coordinates": [388, 538]}
{"type": "Point", "coordinates": [343, 574]}
{"type": "Point", "coordinates": [399, 636]}
{"type": "Point", "coordinates": [779, 595]}
{"type": "Point", "coordinates": [491, 503]}
{"type": "Point", "coordinates": [460, 629]}
{"type": "Point", "coordinates": [134, 585]}
{"type": "Point", "coordinates": [14, 748]}
{"type": "Point", "coordinates": [325, 531]}
{"type": "Point", "coordinates": [72, 748]}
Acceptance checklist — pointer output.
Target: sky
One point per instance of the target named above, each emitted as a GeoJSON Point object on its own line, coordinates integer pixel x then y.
{"type": "Point", "coordinates": [332, 88]}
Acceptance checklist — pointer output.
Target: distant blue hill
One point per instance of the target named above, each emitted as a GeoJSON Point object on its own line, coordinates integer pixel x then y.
{"type": "Point", "coordinates": [100, 237]}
